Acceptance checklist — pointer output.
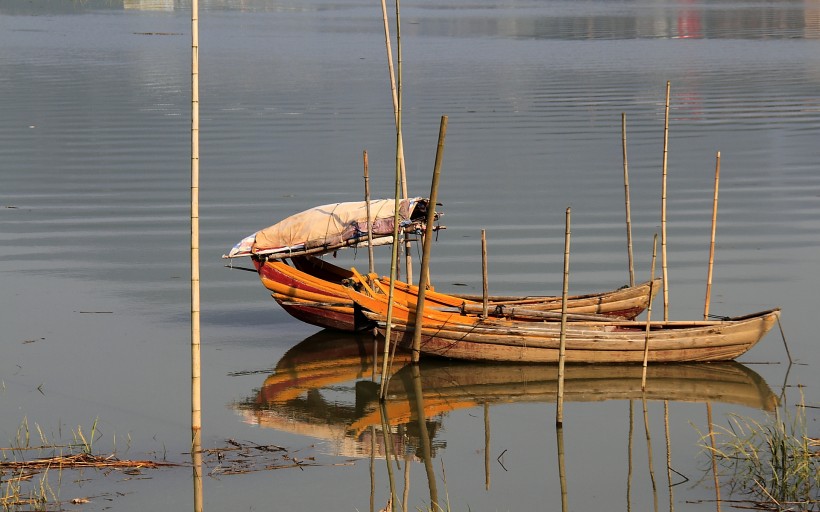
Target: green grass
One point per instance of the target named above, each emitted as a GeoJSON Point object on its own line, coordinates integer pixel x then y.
{"type": "Point", "coordinates": [774, 463]}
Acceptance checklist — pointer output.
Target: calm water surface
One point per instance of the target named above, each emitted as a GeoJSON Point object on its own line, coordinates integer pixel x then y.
{"type": "Point", "coordinates": [94, 307]}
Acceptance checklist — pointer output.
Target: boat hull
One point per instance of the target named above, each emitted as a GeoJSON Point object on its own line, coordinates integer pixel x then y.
{"type": "Point", "coordinates": [712, 341]}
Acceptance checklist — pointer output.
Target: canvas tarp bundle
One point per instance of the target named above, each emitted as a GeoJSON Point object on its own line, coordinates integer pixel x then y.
{"type": "Point", "coordinates": [329, 227]}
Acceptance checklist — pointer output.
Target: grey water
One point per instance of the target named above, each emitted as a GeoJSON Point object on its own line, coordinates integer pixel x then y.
{"type": "Point", "coordinates": [94, 265]}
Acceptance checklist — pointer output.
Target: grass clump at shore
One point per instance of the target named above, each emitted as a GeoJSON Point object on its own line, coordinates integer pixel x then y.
{"type": "Point", "coordinates": [26, 467]}
{"type": "Point", "coordinates": [774, 463]}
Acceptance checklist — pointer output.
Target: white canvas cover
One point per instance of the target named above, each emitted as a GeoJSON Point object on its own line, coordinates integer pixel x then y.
{"type": "Point", "coordinates": [328, 227]}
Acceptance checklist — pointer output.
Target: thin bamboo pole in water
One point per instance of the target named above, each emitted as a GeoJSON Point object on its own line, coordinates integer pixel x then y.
{"type": "Point", "coordinates": [663, 208]}
{"type": "Point", "coordinates": [370, 260]}
{"type": "Point", "coordinates": [712, 240]}
{"type": "Point", "coordinates": [649, 313]}
{"type": "Point", "coordinates": [424, 278]}
{"type": "Point", "coordinates": [196, 405]}
{"type": "Point", "coordinates": [628, 207]}
{"type": "Point", "coordinates": [396, 106]}
{"type": "Point", "coordinates": [484, 283]}
{"type": "Point", "coordinates": [562, 347]}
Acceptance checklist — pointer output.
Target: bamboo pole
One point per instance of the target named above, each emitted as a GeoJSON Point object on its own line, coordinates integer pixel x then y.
{"type": "Point", "coordinates": [712, 240]}
{"type": "Point", "coordinates": [663, 208]}
{"type": "Point", "coordinates": [396, 108]}
{"type": "Point", "coordinates": [390, 294]}
{"type": "Point", "coordinates": [628, 207]}
{"type": "Point", "coordinates": [424, 278]}
{"type": "Point", "coordinates": [562, 347]}
{"type": "Point", "coordinates": [370, 257]}
{"type": "Point", "coordinates": [196, 405]}
{"type": "Point", "coordinates": [196, 363]}
{"type": "Point", "coordinates": [484, 285]}
{"type": "Point", "coordinates": [649, 313]}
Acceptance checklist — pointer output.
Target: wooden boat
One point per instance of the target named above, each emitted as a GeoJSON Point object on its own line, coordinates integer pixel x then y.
{"type": "Point", "coordinates": [322, 388]}
{"type": "Point", "coordinates": [314, 290]}
{"type": "Point", "coordinates": [612, 341]}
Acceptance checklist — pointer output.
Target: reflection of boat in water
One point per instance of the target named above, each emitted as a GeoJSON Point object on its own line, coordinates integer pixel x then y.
{"type": "Point", "coordinates": [323, 388]}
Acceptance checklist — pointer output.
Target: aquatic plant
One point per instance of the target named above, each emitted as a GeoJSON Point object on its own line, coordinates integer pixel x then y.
{"type": "Point", "coordinates": [773, 462]}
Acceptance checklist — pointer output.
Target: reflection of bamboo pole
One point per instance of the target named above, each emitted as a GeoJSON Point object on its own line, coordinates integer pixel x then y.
{"type": "Point", "coordinates": [372, 468]}
{"type": "Point", "coordinates": [372, 263]}
{"type": "Point", "coordinates": [714, 453]}
{"type": "Point", "coordinates": [426, 448]}
{"type": "Point", "coordinates": [396, 107]}
{"type": "Point", "coordinates": [629, 461]}
{"type": "Point", "coordinates": [562, 347]}
{"type": "Point", "coordinates": [424, 278]}
{"type": "Point", "coordinates": [649, 453]}
{"type": "Point", "coordinates": [668, 454]}
{"type": "Point", "coordinates": [388, 440]}
{"type": "Point", "coordinates": [486, 446]}
{"type": "Point", "coordinates": [196, 464]}
{"type": "Point", "coordinates": [484, 284]}
{"type": "Point", "coordinates": [626, 196]}
{"type": "Point", "coordinates": [649, 313]}
{"type": "Point", "coordinates": [196, 362]}
{"type": "Point", "coordinates": [712, 240]}
{"type": "Point", "coordinates": [562, 470]}
{"type": "Point", "coordinates": [663, 209]}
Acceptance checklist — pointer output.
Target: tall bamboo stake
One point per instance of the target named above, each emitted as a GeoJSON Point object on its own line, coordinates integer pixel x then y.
{"type": "Point", "coordinates": [649, 313]}
{"type": "Point", "coordinates": [390, 293]}
{"type": "Point", "coordinates": [628, 208]}
{"type": "Point", "coordinates": [196, 405]}
{"type": "Point", "coordinates": [663, 208]}
{"type": "Point", "coordinates": [562, 347]}
{"type": "Point", "coordinates": [424, 278]}
{"type": "Point", "coordinates": [484, 284]}
{"type": "Point", "coordinates": [712, 240]}
{"type": "Point", "coordinates": [372, 263]}
{"type": "Point", "coordinates": [396, 107]}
